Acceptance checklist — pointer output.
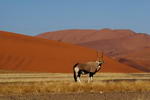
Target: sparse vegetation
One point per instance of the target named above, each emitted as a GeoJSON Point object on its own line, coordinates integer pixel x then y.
{"type": "Point", "coordinates": [103, 83]}
{"type": "Point", "coordinates": [67, 87]}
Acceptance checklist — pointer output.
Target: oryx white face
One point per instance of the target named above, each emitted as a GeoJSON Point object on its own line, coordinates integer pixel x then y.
{"type": "Point", "coordinates": [99, 65]}
{"type": "Point", "coordinates": [99, 62]}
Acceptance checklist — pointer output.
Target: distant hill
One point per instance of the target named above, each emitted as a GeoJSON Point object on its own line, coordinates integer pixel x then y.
{"type": "Point", "coordinates": [118, 43]}
{"type": "Point", "coordinates": [33, 54]}
{"type": "Point", "coordinates": [82, 36]}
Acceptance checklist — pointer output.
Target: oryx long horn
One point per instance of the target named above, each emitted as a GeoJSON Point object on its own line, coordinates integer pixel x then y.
{"type": "Point", "coordinates": [102, 55]}
{"type": "Point", "coordinates": [98, 57]}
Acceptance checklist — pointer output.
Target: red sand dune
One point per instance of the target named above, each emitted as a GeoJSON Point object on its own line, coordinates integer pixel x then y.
{"type": "Point", "coordinates": [115, 43]}
{"type": "Point", "coordinates": [138, 59]}
{"type": "Point", "coordinates": [124, 48]}
{"type": "Point", "coordinates": [26, 53]}
{"type": "Point", "coordinates": [121, 46]}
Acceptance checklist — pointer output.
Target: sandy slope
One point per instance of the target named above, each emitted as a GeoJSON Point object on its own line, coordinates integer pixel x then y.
{"type": "Point", "coordinates": [115, 43]}
{"type": "Point", "coordinates": [139, 59]}
{"type": "Point", "coordinates": [26, 53]}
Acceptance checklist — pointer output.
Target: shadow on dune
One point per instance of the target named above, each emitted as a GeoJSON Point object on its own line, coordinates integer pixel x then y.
{"type": "Point", "coordinates": [133, 64]}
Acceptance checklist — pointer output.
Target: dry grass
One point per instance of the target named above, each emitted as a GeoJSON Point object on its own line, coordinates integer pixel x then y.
{"type": "Point", "coordinates": [69, 87]}
{"type": "Point", "coordinates": [38, 77]}
{"type": "Point", "coordinates": [34, 83]}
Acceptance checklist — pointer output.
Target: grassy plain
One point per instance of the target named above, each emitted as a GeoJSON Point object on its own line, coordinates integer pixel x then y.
{"type": "Point", "coordinates": [37, 83]}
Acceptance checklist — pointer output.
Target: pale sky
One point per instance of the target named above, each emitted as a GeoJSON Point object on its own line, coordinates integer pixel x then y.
{"type": "Point", "coordinates": [32, 17]}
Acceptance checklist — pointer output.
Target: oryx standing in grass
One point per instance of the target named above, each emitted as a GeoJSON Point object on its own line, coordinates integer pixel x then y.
{"type": "Point", "coordinates": [87, 68]}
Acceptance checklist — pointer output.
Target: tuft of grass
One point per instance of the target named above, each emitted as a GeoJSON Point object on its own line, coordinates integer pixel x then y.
{"type": "Point", "coordinates": [72, 87]}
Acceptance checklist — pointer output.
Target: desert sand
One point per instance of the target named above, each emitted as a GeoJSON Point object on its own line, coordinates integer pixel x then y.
{"type": "Point", "coordinates": [34, 54]}
{"type": "Point", "coordinates": [116, 43]}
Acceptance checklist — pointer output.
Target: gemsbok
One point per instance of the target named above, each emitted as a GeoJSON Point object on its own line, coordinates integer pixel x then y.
{"type": "Point", "coordinates": [87, 68]}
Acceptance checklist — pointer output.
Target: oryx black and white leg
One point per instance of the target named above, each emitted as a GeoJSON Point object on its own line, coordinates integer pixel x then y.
{"type": "Point", "coordinates": [78, 77]}
{"type": "Point", "coordinates": [90, 77]}
{"type": "Point", "coordinates": [77, 74]}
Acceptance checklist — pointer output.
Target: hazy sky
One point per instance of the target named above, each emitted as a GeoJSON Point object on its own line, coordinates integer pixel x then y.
{"type": "Point", "coordinates": [32, 17]}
